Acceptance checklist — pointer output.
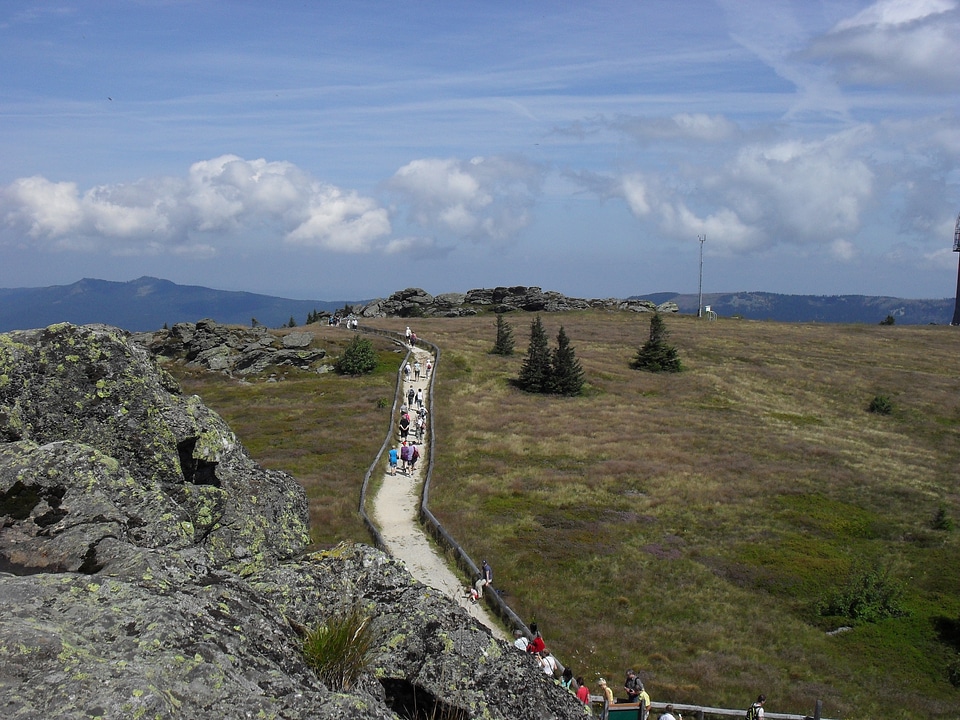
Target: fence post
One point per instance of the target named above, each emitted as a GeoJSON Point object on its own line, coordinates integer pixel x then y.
{"type": "Point", "coordinates": [818, 708]}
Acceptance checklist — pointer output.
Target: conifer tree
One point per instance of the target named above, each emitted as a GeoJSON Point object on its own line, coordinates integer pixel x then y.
{"type": "Point", "coordinates": [504, 343]}
{"type": "Point", "coordinates": [567, 373]}
{"type": "Point", "coordinates": [291, 323]}
{"type": "Point", "coordinates": [656, 355]}
{"type": "Point", "coordinates": [536, 371]}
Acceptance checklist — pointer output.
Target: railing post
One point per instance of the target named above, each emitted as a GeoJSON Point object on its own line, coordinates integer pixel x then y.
{"type": "Point", "coordinates": [818, 708]}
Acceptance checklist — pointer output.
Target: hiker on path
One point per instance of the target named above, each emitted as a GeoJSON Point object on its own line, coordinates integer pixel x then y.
{"type": "Point", "coordinates": [536, 645]}
{"type": "Point", "coordinates": [411, 394]}
{"type": "Point", "coordinates": [419, 397]}
{"type": "Point", "coordinates": [607, 692]}
{"type": "Point", "coordinates": [520, 641]}
{"type": "Point", "coordinates": [644, 700]}
{"type": "Point", "coordinates": [416, 370]}
{"type": "Point", "coordinates": [583, 692]}
{"type": "Point", "coordinates": [755, 712]}
{"type": "Point", "coordinates": [548, 664]}
{"type": "Point", "coordinates": [404, 426]}
{"type": "Point", "coordinates": [414, 456]}
{"type": "Point", "coordinates": [408, 334]}
{"type": "Point", "coordinates": [487, 572]}
{"type": "Point", "coordinates": [668, 715]}
{"type": "Point", "coordinates": [632, 685]}
{"type": "Point", "coordinates": [394, 455]}
{"type": "Point", "coordinates": [429, 368]}
{"type": "Point", "coordinates": [405, 457]}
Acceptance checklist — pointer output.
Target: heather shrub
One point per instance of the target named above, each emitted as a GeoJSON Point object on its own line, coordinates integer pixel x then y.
{"type": "Point", "coordinates": [870, 595]}
{"type": "Point", "coordinates": [881, 405]}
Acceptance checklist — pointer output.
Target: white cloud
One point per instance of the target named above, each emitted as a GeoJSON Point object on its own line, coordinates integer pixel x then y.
{"type": "Point", "coordinates": [786, 192]}
{"type": "Point", "coordinates": [843, 250]}
{"type": "Point", "coordinates": [911, 43]}
{"type": "Point", "coordinates": [222, 202]}
{"type": "Point", "coordinates": [698, 127]}
{"type": "Point", "coordinates": [483, 199]}
{"type": "Point", "coordinates": [42, 207]}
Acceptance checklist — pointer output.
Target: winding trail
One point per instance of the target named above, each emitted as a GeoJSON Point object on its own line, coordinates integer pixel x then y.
{"type": "Point", "coordinates": [396, 511]}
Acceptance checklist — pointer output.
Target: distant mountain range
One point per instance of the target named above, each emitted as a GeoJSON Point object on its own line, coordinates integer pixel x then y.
{"type": "Point", "coordinates": [149, 303]}
{"type": "Point", "coordinates": [146, 304]}
{"type": "Point", "coordinates": [815, 308]}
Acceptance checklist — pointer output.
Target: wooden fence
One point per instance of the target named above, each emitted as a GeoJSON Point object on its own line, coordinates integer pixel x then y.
{"type": "Point", "coordinates": [466, 564]}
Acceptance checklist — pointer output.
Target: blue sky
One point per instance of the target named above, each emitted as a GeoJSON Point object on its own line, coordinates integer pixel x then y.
{"type": "Point", "coordinates": [342, 151]}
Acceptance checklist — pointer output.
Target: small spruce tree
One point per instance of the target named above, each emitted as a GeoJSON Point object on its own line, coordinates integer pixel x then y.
{"type": "Point", "coordinates": [504, 343]}
{"type": "Point", "coordinates": [567, 373]}
{"type": "Point", "coordinates": [358, 358]}
{"type": "Point", "coordinates": [536, 371]}
{"type": "Point", "coordinates": [656, 355]}
{"type": "Point", "coordinates": [291, 322]}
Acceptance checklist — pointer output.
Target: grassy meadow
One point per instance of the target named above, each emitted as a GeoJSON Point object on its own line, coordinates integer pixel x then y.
{"type": "Point", "coordinates": [687, 525]}
{"type": "Point", "coordinates": [323, 429]}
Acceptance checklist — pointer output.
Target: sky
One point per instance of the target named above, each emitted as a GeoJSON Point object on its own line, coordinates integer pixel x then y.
{"type": "Point", "coordinates": [346, 150]}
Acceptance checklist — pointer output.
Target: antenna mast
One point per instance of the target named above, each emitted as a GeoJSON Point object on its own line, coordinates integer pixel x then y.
{"type": "Point", "coordinates": [703, 238]}
{"type": "Point", "coordinates": [956, 249]}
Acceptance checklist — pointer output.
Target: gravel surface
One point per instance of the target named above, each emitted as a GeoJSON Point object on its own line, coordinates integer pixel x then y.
{"type": "Point", "coordinates": [395, 512]}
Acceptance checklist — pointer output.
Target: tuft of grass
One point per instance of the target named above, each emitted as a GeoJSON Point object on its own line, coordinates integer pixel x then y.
{"type": "Point", "coordinates": [340, 649]}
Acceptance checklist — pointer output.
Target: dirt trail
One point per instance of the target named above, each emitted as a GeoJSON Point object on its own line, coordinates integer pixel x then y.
{"type": "Point", "coordinates": [395, 512]}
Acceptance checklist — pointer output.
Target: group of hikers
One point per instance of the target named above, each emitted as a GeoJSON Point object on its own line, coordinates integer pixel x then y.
{"type": "Point", "coordinates": [634, 692]}
{"type": "Point", "coordinates": [406, 455]}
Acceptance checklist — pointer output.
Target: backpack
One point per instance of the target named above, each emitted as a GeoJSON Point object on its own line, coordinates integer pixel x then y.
{"type": "Point", "coordinates": [753, 712]}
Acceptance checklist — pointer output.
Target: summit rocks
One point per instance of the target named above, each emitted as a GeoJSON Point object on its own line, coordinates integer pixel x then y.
{"type": "Point", "coordinates": [415, 302]}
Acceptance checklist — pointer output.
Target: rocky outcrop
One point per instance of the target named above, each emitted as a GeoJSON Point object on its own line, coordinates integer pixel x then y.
{"type": "Point", "coordinates": [415, 302]}
{"type": "Point", "coordinates": [150, 568]}
{"type": "Point", "coordinates": [232, 349]}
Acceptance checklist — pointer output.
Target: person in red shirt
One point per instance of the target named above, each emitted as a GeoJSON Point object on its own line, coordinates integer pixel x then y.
{"type": "Point", "coordinates": [536, 645]}
{"type": "Point", "coordinates": [583, 692]}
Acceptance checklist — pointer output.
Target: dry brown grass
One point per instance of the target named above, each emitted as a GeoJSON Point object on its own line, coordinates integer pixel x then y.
{"type": "Point", "coordinates": [683, 524]}
{"type": "Point", "coordinates": [687, 523]}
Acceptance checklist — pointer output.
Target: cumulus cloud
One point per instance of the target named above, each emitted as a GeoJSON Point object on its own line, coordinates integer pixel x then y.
{"type": "Point", "coordinates": [482, 199]}
{"type": "Point", "coordinates": [910, 43]}
{"type": "Point", "coordinates": [789, 191]}
{"type": "Point", "coordinates": [222, 202]}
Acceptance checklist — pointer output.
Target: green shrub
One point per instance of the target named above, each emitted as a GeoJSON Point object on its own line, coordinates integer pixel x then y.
{"type": "Point", "coordinates": [358, 358]}
{"type": "Point", "coordinates": [942, 521]}
{"type": "Point", "coordinates": [870, 595]}
{"type": "Point", "coordinates": [340, 649]}
{"type": "Point", "coordinates": [888, 320]}
{"type": "Point", "coordinates": [881, 405]}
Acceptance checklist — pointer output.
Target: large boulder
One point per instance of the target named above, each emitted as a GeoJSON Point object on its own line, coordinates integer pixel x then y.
{"type": "Point", "coordinates": [150, 568]}
{"type": "Point", "coordinates": [232, 349]}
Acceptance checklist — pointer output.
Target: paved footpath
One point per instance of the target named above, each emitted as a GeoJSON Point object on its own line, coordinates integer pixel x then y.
{"type": "Point", "coordinates": [396, 510]}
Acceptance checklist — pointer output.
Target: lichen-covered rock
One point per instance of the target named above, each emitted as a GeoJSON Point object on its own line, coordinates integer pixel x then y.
{"type": "Point", "coordinates": [149, 568]}
{"type": "Point", "coordinates": [101, 443]}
